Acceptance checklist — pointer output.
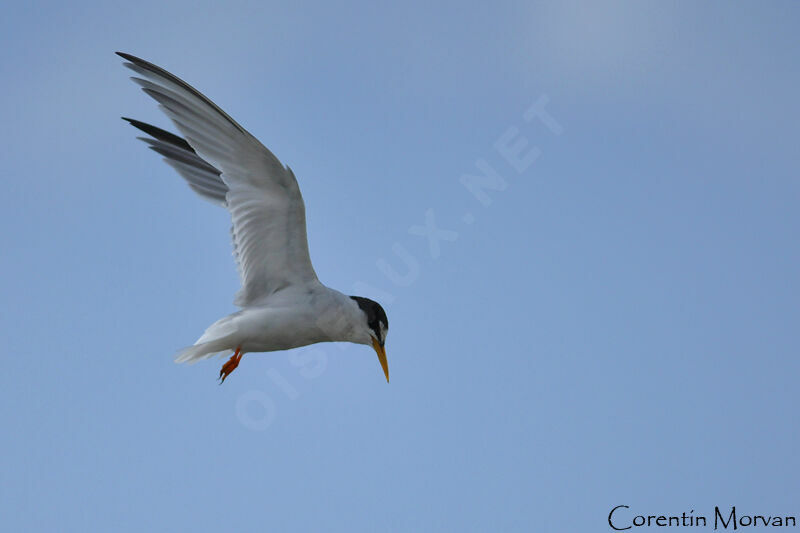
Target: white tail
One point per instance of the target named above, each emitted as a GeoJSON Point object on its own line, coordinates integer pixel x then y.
{"type": "Point", "coordinates": [212, 342]}
{"type": "Point", "coordinates": [196, 352]}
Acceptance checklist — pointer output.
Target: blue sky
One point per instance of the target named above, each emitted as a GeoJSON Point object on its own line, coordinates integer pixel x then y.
{"type": "Point", "coordinates": [618, 325]}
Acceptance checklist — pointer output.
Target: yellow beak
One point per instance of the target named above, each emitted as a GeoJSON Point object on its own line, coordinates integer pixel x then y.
{"type": "Point", "coordinates": [381, 357]}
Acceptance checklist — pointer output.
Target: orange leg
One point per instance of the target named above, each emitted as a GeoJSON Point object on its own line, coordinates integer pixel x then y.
{"type": "Point", "coordinates": [231, 365]}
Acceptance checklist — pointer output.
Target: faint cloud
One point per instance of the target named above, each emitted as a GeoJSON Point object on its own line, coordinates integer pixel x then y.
{"type": "Point", "coordinates": [597, 42]}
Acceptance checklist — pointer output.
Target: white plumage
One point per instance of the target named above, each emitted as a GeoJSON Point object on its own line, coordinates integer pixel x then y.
{"type": "Point", "coordinates": [283, 303]}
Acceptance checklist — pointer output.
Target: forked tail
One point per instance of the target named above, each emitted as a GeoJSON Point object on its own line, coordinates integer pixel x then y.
{"type": "Point", "coordinates": [196, 352]}
{"type": "Point", "coordinates": [216, 339]}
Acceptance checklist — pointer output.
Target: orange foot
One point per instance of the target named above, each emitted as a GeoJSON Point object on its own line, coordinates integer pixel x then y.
{"type": "Point", "coordinates": [231, 365]}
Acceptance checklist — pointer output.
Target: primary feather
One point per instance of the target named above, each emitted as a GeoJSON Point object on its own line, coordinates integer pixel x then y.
{"type": "Point", "coordinates": [225, 164]}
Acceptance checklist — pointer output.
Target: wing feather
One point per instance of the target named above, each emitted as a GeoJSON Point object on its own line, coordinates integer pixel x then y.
{"type": "Point", "coordinates": [200, 176]}
{"type": "Point", "coordinates": [225, 164]}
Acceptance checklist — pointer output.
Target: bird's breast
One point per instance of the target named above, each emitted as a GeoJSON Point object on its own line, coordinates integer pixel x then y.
{"type": "Point", "coordinates": [293, 324]}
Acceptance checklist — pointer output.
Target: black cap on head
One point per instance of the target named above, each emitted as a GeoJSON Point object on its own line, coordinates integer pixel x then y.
{"type": "Point", "coordinates": [375, 315]}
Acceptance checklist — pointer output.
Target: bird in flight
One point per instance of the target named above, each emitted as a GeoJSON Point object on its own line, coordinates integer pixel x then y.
{"type": "Point", "coordinates": [283, 304]}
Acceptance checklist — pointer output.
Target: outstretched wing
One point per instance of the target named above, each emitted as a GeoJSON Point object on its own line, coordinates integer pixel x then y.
{"type": "Point", "coordinates": [225, 164]}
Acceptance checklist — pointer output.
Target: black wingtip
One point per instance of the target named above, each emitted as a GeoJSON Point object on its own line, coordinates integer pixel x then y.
{"type": "Point", "coordinates": [137, 60]}
{"type": "Point", "coordinates": [160, 72]}
{"type": "Point", "coordinates": [135, 123]}
{"type": "Point", "coordinates": [158, 133]}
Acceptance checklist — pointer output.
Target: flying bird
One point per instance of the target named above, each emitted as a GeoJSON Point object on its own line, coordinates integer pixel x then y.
{"type": "Point", "coordinates": [282, 303]}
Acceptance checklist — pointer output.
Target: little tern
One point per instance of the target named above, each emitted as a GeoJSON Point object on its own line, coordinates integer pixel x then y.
{"type": "Point", "coordinates": [283, 304]}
